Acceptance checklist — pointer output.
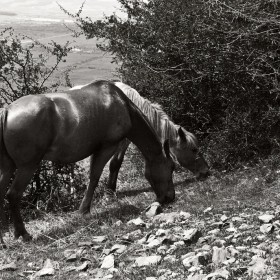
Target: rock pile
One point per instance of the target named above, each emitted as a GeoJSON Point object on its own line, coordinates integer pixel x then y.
{"type": "Point", "coordinates": [218, 246]}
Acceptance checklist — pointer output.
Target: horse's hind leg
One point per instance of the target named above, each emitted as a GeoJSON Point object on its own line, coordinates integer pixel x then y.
{"type": "Point", "coordinates": [5, 176]}
{"type": "Point", "coordinates": [97, 163]}
{"type": "Point", "coordinates": [115, 165]}
{"type": "Point", "coordinates": [7, 169]}
{"type": "Point", "coordinates": [14, 195]}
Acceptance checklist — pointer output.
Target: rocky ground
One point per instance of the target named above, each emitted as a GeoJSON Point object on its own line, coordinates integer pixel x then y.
{"type": "Point", "coordinates": [174, 245]}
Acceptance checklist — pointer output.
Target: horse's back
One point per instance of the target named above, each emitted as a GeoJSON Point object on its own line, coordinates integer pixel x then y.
{"type": "Point", "coordinates": [64, 127]}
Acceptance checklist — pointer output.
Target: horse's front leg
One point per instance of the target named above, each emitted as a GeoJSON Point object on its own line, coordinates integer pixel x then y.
{"type": "Point", "coordinates": [115, 165]}
{"type": "Point", "coordinates": [97, 162]}
{"type": "Point", "coordinates": [14, 195]}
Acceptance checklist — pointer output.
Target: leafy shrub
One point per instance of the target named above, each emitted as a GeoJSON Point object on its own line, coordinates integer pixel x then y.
{"type": "Point", "coordinates": [25, 70]}
{"type": "Point", "coordinates": [213, 65]}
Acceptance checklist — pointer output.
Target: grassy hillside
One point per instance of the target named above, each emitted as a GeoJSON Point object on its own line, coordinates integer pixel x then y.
{"type": "Point", "coordinates": [241, 196]}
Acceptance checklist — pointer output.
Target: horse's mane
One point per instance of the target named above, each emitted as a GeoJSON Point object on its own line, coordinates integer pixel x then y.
{"type": "Point", "coordinates": [160, 121]}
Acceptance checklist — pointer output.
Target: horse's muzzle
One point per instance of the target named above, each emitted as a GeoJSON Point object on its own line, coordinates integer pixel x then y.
{"type": "Point", "coordinates": [203, 176]}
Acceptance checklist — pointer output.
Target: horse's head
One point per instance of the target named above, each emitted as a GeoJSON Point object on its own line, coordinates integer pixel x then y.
{"type": "Point", "coordinates": [188, 155]}
{"type": "Point", "coordinates": [159, 174]}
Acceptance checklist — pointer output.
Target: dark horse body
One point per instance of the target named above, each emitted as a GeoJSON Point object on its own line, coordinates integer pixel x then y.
{"type": "Point", "coordinates": [67, 127]}
{"type": "Point", "coordinates": [183, 144]}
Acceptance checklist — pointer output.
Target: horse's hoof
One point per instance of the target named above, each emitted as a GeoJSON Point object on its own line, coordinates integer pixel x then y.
{"type": "Point", "coordinates": [83, 212]}
{"type": "Point", "coordinates": [26, 237]}
{"type": "Point", "coordinates": [109, 197]}
{"type": "Point", "coordinates": [86, 215]}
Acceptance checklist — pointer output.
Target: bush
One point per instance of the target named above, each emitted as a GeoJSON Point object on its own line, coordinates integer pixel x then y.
{"type": "Point", "coordinates": [213, 65]}
{"type": "Point", "coordinates": [26, 70]}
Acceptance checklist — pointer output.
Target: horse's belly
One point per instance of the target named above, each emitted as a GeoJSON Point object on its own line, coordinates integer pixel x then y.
{"type": "Point", "coordinates": [71, 150]}
{"type": "Point", "coordinates": [70, 158]}
{"type": "Point", "coordinates": [79, 145]}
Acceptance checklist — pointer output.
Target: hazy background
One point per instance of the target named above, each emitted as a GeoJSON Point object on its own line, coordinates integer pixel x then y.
{"type": "Point", "coordinates": [18, 10]}
{"type": "Point", "coordinates": [44, 21]}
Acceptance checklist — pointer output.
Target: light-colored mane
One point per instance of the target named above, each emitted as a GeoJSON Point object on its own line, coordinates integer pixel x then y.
{"type": "Point", "coordinates": [164, 127]}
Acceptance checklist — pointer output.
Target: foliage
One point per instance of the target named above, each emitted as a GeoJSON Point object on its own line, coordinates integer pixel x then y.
{"type": "Point", "coordinates": [22, 72]}
{"type": "Point", "coordinates": [213, 65]}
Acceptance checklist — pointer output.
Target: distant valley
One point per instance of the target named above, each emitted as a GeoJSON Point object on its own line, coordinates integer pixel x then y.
{"type": "Point", "coordinates": [86, 61]}
{"type": "Point", "coordinates": [7, 13]}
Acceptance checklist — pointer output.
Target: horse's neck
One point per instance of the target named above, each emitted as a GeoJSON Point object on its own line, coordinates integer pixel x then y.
{"type": "Point", "coordinates": [170, 131]}
{"type": "Point", "coordinates": [143, 135]}
{"type": "Point", "coordinates": [164, 128]}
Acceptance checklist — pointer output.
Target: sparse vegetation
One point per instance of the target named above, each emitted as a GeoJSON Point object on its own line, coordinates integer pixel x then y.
{"type": "Point", "coordinates": [22, 72]}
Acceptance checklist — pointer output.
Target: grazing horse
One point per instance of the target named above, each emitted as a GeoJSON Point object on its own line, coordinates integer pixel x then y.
{"type": "Point", "coordinates": [183, 144]}
{"type": "Point", "coordinates": [68, 127]}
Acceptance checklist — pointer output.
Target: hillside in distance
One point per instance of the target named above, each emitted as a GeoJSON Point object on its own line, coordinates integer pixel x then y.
{"type": "Point", "coordinates": [86, 61]}
{"type": "Point", "coordinates": [7, 13]}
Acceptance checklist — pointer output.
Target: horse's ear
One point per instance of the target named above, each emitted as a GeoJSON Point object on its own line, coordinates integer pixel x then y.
{"type": "Point", "coordinates": [182, 134]}
{"type": "Point", "coordinates": [166, 148]}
